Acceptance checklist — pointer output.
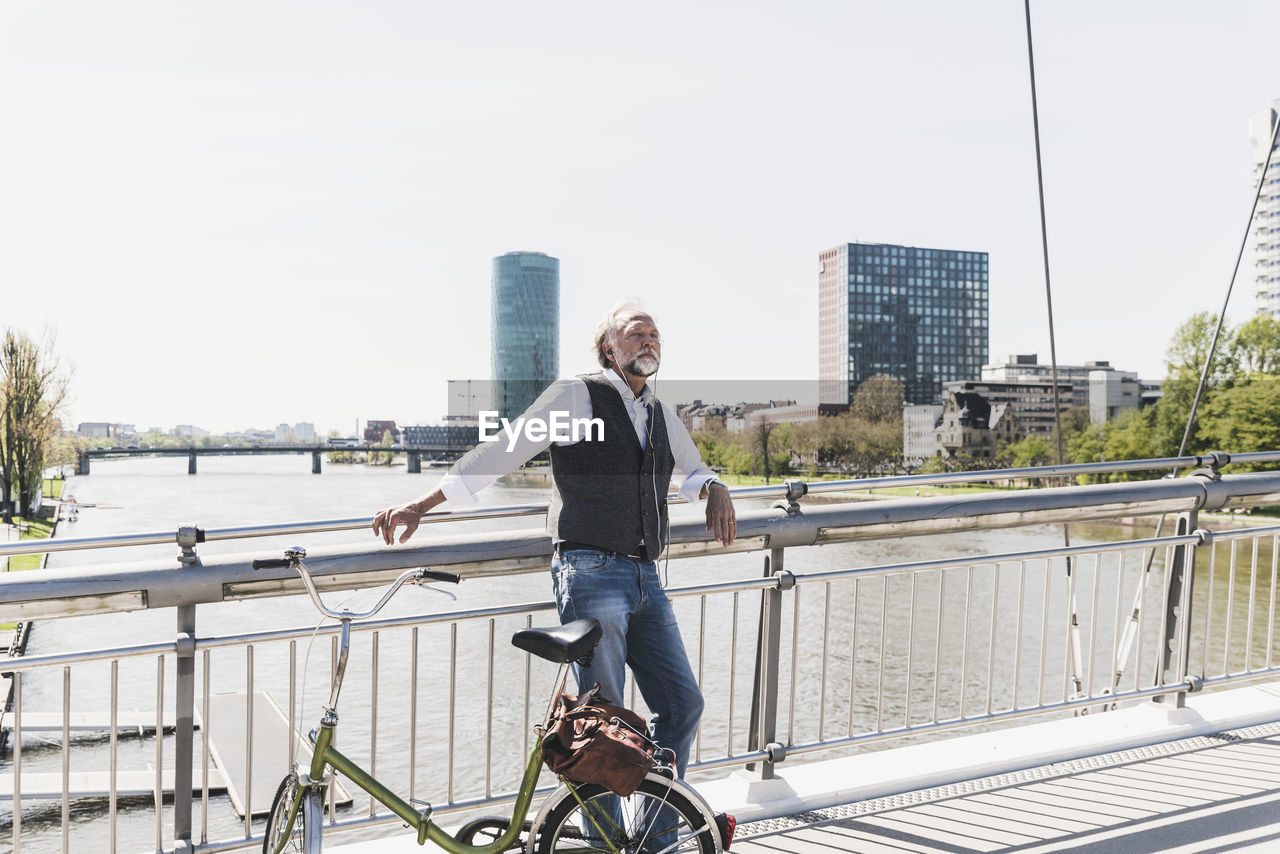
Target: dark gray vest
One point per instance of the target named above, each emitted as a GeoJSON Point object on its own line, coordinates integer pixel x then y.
{"type": "Point", "coordinates": [611, 494]}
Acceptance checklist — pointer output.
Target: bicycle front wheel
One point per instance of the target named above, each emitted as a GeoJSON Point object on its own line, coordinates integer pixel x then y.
{"type": "Point", "coordinates": [293, 825]}
{"type": "Point", "coordinates": [655, 818]}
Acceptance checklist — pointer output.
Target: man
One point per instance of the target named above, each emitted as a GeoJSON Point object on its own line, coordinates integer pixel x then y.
{"type": "Point", "coordinates": [608, 517]}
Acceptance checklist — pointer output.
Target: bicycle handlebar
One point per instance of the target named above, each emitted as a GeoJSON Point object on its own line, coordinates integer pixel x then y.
{"type": "Point", "coordinates": [293, 559]}
{"type": "Point", "coordinates": [440, 575]}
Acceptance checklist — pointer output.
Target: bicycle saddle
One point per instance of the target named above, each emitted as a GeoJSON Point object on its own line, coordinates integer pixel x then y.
{"type": "Point", "coordinates": [560, 644]}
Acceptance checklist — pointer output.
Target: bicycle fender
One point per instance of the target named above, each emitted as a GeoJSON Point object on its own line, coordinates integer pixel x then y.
{"type": "Point", "coordinates": [698, 801]}
{"type": "Point", "coordinates": [553, 800]}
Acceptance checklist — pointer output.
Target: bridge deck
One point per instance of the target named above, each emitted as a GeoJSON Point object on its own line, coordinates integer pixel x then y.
{"type": "Point", "coordinates": [1210, 793]}
{"type": "Point", "coordinates": [1146, 778]}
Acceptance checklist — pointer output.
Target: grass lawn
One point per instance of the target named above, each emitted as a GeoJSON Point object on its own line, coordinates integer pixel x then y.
{"type": "Point", "coordinates": [36, 529]}
{"type": "Point", "coordinates": [52, 487]}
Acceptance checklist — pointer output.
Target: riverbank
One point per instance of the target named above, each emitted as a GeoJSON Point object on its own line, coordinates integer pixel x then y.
{"type": "Point", "coordinates": [40, 527]}
{"type": "Point", "coordinates": [14, 636]}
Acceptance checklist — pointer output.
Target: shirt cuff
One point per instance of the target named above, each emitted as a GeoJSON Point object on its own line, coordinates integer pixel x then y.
{"type": "Point", "coordinates": [455, 491]}
{"type": "Point", "coordinates": [691, 489]}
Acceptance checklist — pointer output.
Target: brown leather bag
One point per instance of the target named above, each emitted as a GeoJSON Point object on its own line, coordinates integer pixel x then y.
{"type": "Point", "coordinates": [591, 741]}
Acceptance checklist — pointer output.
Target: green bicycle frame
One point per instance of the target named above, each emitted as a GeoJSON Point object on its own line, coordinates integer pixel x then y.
{"type": "Point", "coordinates": [324, 755]}
{"type": "Point", "coordinates": [420, 820]}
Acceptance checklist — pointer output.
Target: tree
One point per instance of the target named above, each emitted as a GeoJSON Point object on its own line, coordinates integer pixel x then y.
{"type": "Point", "coordinates": [1028, 452]}
{"type": "Point", "coordinates": [1185, 360]}
{"type": "Point", "coordinates": [879, 398]}
{"type": "Point", "coordinates": [737, 460]}
{"type": "Point", "coordinates": [382, 458]}
{"type": "Point", "coordinates": [807, 443]}
{"type": "Point", "coordinates": [1074, 420]}
{"type": "Point", "coordinates": [32, 392]}
{"type": "Point", "coordinates": [1245, 418]}
{"type": "Point", "coordinates": [877, 445]}
{"type": "Point", "coordinates": [760, 444]}
{"type": "Point", "coordinates": [712, 445]}
{"type": "Point", "coordinates": [1255, 347]}
{"type": "Point", "coordinates": [837, 440]}
{"type": "Point", "coordinates": [1130, 437]}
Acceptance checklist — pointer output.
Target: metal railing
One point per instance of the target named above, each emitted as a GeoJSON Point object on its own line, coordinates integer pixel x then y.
{"type": "Point", "coordinates": [793, 663]}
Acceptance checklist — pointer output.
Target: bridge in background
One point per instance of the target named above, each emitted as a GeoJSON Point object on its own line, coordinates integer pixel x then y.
{"type": "Point", "coordinates": [415, 454]}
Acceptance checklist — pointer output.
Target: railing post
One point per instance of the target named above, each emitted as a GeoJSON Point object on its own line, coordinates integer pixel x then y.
{"type": "Point", "coordinates": [1175, 649]}
{"type": "Point", "coordinates": [184, 702]}
{"type": "Point", "coordinates": [764, 692]}
{"type": "Point", "coordinates": [184, 728]}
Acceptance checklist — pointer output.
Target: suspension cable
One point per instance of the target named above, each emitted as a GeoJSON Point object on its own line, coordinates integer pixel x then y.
{"type": "Point", "coordinates": [1044, 239]}
{"type": "Point", "coordinates": [1073, 623]}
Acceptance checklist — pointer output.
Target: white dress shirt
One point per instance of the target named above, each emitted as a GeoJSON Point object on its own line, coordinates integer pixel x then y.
{"type": "Point", "coordinates": [491, 460]}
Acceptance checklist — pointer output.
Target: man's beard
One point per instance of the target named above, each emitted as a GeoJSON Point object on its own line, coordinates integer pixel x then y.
{"type": "Point", "coordinates": [643, 365]}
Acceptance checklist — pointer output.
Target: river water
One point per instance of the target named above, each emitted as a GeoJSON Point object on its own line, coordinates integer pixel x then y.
{"type": "Point", "coordinates": [157, 494]}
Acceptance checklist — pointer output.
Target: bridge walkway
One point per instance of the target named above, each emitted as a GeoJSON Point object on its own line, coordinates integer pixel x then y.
{"type": "Point", "coordinates": [1219, 792]}
{"type": "Point", "coordinates": [1146, 778]}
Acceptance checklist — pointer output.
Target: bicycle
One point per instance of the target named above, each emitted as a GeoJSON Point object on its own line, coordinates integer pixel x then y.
{"type": "Point", "coordinates": [575, 817]}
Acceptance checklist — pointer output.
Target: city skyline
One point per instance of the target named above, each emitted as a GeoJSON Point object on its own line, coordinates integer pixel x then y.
{"type": "Point", "coordinates": [229, 215]}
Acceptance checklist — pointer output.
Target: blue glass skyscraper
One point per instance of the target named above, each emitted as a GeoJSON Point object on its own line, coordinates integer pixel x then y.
{"type": "Point", "coordinates": [526, 329]}
{"type": "Point", "coordinates": [913, 313]}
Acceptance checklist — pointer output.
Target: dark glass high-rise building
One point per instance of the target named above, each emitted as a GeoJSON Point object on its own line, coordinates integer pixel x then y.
{"type": "Point", "coordinates": [526, 329]}
{"type": "Point", "coordinates": [916, 314]}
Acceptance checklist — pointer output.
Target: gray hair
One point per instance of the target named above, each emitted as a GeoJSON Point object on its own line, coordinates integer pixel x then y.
{"type": "Point", "coordinates": [614, 319]}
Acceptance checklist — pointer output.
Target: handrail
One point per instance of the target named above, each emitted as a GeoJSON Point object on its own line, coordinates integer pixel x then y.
{"type": "Point", "coordinates": [1215, 459]}
{"type": "Point", "coordinates": [176, 581]}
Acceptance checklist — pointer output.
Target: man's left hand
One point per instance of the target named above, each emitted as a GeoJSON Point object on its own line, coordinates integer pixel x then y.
{"type": "Point", "coordinates": [721, 518]}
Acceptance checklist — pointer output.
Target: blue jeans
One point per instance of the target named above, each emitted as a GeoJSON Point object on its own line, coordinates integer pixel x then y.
{"type": "Point", "coordinates": [640, 631]}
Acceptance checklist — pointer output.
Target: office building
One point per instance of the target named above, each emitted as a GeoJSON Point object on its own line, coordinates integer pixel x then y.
{"type": "Point", "coordinates": [1266, 220]}
{"type": "Point", "coordinates": [1026, 368]}
{"type": "Point", "coordinates": [375, 430]}
{"type": "Point", "coordinates": [525, 329]}
{"type": "Point", "coordinates": [1030, 402]}
{"type": "Point", "coordinates": [97, 430]}
{"type": "Point", "coordinates": [455, 438]}
{"type": "Point", "coordinates": [1113, 393]}
{"type": "Point", "coordinates": [303, 431]}
{"type": "Point", "coordinates": [1105, 391]}
{"type": "Point", "coordinates": [916, 314]}
{"type": "Point", "coordinates": [919, 431]}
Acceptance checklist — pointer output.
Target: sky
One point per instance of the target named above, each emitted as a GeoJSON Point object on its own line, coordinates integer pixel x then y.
{"type": "Point", "coordinates": [238, 214]}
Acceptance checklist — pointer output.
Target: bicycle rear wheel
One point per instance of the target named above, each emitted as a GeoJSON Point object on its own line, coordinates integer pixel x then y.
{"type": "Point", "coordinates": [655, 818]}
{"type": "Point", "coordinates": [293, 825]}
